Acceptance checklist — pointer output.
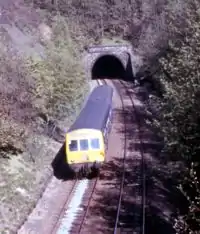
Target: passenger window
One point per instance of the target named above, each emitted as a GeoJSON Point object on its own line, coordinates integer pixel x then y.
{"type": "Point", "coordinates": [73, 146]}
{"type": "Point", "coordinates": [84, 144]}
{"type": "Point", "coordinates": [95, 143]}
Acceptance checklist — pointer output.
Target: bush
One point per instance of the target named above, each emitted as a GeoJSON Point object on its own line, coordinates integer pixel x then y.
{"type": "Point", "coordinates": [53, 87]}
{"type": "Point", "coordinates": [59, 78]}
{"type": "Point", "coordinates": [15, 101]}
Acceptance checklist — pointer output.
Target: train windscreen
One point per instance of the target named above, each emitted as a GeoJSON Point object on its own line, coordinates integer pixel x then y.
{"type": "Point", "coordinates": [73, 146]}
{"type": "Point", "coordinates": [94, 142]}
{"type": "Point", "coordinates": [84, 145]}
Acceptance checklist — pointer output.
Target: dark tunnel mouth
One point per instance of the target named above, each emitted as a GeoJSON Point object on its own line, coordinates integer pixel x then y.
{"type": "Point", "coordinates": [109, 67]}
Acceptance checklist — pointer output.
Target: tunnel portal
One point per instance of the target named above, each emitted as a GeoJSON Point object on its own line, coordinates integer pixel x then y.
{"type": "Point", "coordinates": [109, 67]}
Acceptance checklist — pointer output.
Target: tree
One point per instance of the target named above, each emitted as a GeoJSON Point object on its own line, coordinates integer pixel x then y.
{"type": "Point", "coordinates": [180, 109]}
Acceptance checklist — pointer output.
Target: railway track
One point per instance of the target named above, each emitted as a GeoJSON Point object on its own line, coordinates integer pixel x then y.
{"type": "Point", "coordinates": [71, 192]}
{"type": "Point", "coordinates": [86, 201]}
{"type": "Point", "coordinates": [101, 82]}
{"type": "Point", "coordinates": [138, 224]}
{"type": "Point", "coordinates": [72, 216]}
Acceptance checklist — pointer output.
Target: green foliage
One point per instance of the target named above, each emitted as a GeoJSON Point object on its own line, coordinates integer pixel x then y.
{"type": "Point", "coordinates": [15, 102]}
{"type": "Point", "coordinates": [180, 111]}
{"type": "Point", "coordinates": [143, 23]}
{"type": "Point", "coordinates": [59, 78]}
{"type": "Point", "coordinates": [53, 87]}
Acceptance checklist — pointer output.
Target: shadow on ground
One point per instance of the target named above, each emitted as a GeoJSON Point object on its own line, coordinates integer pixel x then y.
{"type": "Point", "coordinates": [62, 171]}
{"type": "Point", "coordinates": [60, 168]}
{"type": "Point", "coordinates": [163, 199]}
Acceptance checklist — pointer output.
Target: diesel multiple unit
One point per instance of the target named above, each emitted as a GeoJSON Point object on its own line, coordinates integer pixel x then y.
{"type": "Point", "coordinates": [86, 140]}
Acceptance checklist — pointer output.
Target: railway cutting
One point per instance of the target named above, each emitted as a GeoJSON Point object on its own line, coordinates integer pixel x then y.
{"type": "Point", "coordinates": [55, 217]}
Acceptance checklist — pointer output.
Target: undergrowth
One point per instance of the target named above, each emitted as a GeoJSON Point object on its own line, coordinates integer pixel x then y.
{"type": "Point", "coordinates": [53, 87]}
{"type": "Point", "coordinates": [179, 115]}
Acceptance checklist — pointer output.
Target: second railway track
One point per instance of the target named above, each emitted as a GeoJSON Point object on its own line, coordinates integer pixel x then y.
{"type": "Point", "coordinates": [136, 224]}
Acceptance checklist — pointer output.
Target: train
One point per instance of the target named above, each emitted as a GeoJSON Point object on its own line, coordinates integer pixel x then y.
{"type": "Point", "coordinates": [86, 142]}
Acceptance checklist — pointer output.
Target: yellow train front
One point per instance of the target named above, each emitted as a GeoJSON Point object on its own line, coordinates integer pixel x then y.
{"type": "Point", "coordinates": [86, 140]}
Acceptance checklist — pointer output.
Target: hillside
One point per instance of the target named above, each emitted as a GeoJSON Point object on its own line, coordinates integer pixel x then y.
{"type": "Point", "coordinates": [28, 109]}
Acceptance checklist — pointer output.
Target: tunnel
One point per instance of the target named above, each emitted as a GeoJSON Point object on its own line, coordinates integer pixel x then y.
{"type": "Point", "coordinates": [109, 67]}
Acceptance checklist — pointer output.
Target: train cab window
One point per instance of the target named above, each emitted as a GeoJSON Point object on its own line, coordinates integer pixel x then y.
{"type": "Point", "coordinates": [84, 144]}
{"type": "Point", "coordinates": [73, 146]}
{"type": "Point", "coordinates": [95, 143]}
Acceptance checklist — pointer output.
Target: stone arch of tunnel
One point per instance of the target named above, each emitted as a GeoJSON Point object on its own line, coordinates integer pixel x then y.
{"type": "Point", "coordinates": [109, 67]}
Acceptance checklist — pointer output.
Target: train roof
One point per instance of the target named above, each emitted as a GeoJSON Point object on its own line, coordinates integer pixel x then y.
{"type": "Point", "coordinates": [95, 112]}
